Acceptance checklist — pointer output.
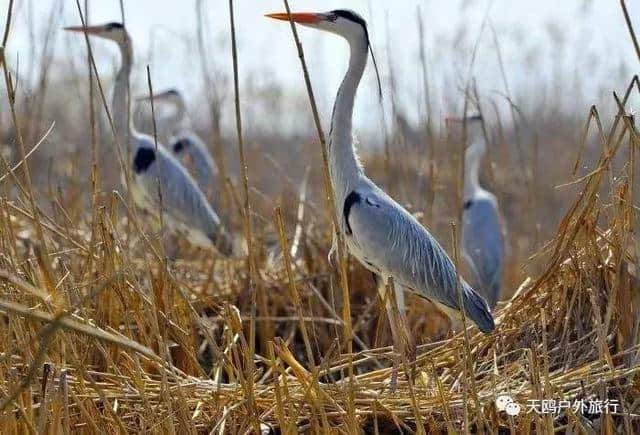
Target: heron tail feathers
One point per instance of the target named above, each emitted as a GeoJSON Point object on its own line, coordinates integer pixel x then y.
{"type": "Point", "coordinates": [477, 309]}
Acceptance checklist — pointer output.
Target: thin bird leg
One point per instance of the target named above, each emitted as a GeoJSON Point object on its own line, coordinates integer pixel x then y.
{"type": "Point", "coordinates": [381, 284]}
{"type": "Point", "coordinates": [408, 340]}
{"type": "Point", "coordinates": [398, 342]}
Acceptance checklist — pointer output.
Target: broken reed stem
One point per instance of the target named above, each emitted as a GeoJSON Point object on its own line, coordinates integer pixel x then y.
{"type": "Point", "coordinates": [155, 142]}
{"type": "Point", "coordinates": [122, 157]}
{"type": "Point", "coordinates": [284, 245]}
{"type": "Point", "coordinates": [293, 290]}
{"type": "Point", "coordinates": [61, 320]}
{"type": "Point", "coordinates": [630, 27]}
{"type": "Point", "coordinates": [337, 235]}
{"type": "Point", "coordinates": [7, 26]}
{"type": "Point", "coordinates": [468, 366]}
{"type": "Point", "coordinates": [214, 103]}
{"type": "Point", "coordinates": [45, 264]}
{"type": "Point", "coordinates": [346, 303]}
{"type": "Point", "coordinates": [251, 278]}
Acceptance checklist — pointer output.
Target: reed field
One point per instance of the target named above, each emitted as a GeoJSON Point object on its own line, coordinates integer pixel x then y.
{"type": "Point", "coordinates": [111, 323]}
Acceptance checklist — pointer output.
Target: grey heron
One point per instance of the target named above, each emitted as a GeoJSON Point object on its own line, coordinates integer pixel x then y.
{"type": "Point", "coordinates": [482, 230]}
{"type": "Point", "coordinates": [185, 208]}
{"type": "Point", "coordinates": [184, 140]}
{"type": "Point", "coordinates": [378, 231]}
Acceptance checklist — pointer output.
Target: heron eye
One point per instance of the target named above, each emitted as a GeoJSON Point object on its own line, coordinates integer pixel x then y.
{"type": "Point", "coordinates": [332, 17]}
{"type": "Point", "coordinates": [467, 204]}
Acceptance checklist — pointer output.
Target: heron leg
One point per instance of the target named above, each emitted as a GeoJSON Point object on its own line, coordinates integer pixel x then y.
{"type": "Point", "coordinates": [395, 323]}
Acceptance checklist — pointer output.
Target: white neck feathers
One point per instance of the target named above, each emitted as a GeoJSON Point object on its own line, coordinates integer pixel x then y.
{"type": "Point", "coordinates": [345, 167]}
{"type": "Point", "coordinates": [473, 160]}
{"type": "Point", "coordinates": [120, 99]}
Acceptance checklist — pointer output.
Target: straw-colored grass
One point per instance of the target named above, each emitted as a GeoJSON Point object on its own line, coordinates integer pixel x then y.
{"type": "Point", "coordinates": [107, 337]}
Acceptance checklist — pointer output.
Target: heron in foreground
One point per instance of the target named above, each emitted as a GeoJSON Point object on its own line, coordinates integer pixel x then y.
{"type": "Point", "coordinates": [378, 231]}
{"type": "Point", "coordinates": [156, 176]}
{"type": "Point", "coordinates": [184, 140]}
{"type": "Point", "coordinates": [482, 230]}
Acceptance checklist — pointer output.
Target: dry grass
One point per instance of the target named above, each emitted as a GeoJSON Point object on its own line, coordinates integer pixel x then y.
{"type": "Point", "coordinates": [102, 334]}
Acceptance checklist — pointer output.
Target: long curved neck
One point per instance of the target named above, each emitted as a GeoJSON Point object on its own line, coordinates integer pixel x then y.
{"type": "Point", "coordinates": [120, 100]}
{"type": "Point", "coordinates": [344, 166]}
{"type": "Point", "coordinates": [472, 160]}
{"type": "Point", "coordinates": [175, 119]}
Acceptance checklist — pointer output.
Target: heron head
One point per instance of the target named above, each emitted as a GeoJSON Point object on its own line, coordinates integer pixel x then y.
{"type": "Point", "coordinates": [171, 95]}
{"type": "Point", "coordinates": [475, 119]}
{"type": "Point", "coordinates": [343, 22]}
{"type": "Point", "coordinates": [113, 31]}
{"type": "Point", "coordinates": [473, 123]}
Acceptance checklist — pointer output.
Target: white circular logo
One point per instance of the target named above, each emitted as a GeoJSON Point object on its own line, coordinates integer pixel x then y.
{"type": "Point", "coordinates": [512, 408]}
{"type": "Point", "coordinates": [502, 401]}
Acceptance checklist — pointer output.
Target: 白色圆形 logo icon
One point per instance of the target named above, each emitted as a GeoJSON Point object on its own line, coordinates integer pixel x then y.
{"type": "Point", "coordinates": [505, 403]}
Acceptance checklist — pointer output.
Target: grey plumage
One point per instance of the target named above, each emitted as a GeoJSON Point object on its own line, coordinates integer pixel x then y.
{"type": "Point", "coordinates": [379, 232]}
{"type": "Point", "coordinates": [483, 246]}
{"type": "Point", "coordinates": [186, 208]}
{"type": "Point", "coordinates": [184, 141]}
{"type": "Point", "coordinates": [157, 177]}
{"type": "Point", "coordinates": [205, 168]}
{"type": "Point", "coordinates": [391, 242]}
{"type": "Point", "coordinates": [482, 230]}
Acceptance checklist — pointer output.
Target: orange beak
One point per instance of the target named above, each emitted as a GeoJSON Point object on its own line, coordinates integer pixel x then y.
{"type": "Point", "coordinates": [300, 17]}
{"type": "Point", "coordinates": [89, 29]}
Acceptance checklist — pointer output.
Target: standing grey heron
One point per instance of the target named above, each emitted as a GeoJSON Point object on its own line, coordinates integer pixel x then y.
{"type": "Point", "coordinates": [154, 170]}
{"type": "Point", "coordinates": [482, 230]}
{"type": "Point", "coordinates": [184, 140]}
{"type": "Point", "coordinates": [378, 231]}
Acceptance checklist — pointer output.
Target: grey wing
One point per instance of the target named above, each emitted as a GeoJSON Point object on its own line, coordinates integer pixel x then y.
{"type": "Point", "coordinates": [204, 165]}
{"type": "Point", "coordinates": [393, 240]}
{"type": "Point", "coordinates": [183, 203]}
{"type": "Point", "coordinates": [483, 244]}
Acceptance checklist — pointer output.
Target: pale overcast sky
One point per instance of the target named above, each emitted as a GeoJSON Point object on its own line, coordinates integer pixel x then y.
{"type": "Point", "coordinates": [537, 39]}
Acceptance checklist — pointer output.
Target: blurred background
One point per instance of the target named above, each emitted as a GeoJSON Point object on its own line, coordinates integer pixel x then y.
{"type": "Point", "coordinates": [551, 59]}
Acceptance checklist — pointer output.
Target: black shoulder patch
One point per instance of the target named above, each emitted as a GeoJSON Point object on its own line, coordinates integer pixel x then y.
{"type": "Point", "coordinates": [143, 159]}
{"type": "Point", "coordinates": [467, 204]}
{"type": "Point", "coordinates": [353, 198]}
{"type": "Point", "coordinates": [179, 145]}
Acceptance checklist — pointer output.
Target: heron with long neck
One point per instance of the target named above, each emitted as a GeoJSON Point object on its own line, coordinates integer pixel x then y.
{"type": "Point", "coordinates": [482, 228]}
{"type": "Point", "coordinates": [183, 140]}
{"type": "Point", "coordinates": [378, 231]}
{"type": "Point", "coordinates": [157, 178]}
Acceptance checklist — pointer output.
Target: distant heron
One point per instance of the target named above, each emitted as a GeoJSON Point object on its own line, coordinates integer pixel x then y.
{"type": "Point", "coordinates": [482, 230]}
{"type": "Point", "coordinates": [183, 140]}
{"type": "Point", "coordinates": [378, 231]}
{"type": "Point", "coordinates": [154, 170]}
